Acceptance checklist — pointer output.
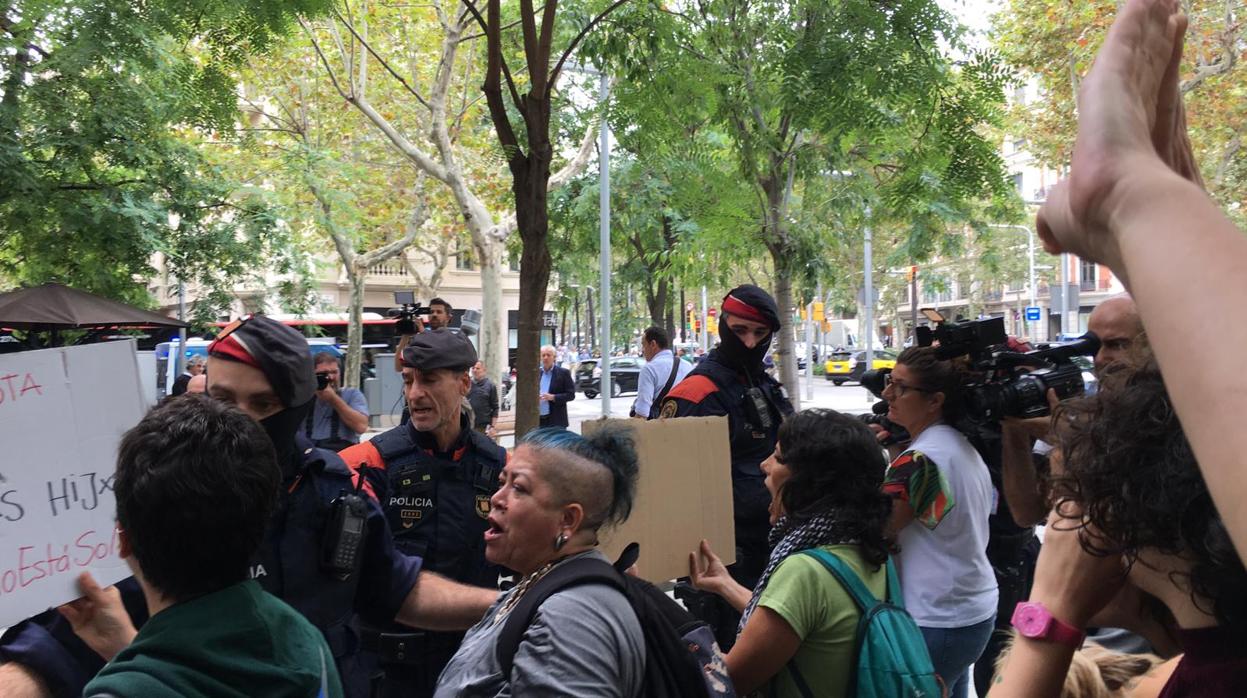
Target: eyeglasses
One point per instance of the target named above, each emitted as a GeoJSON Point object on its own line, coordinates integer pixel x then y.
{"type": "Point", "coordinates": [900, 388]}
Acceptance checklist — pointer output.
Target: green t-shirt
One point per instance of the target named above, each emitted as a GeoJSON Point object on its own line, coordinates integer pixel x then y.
{"type": "Point", "coordinates": [823, 615]}
{"type": "Point", "coordinates": [238, 642]}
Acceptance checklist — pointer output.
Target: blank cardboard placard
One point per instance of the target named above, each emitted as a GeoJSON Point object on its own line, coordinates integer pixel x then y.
{"type": "Point", "coordinates": [684, 494]}
{"type": "Point", "coordinates": [62, 414]}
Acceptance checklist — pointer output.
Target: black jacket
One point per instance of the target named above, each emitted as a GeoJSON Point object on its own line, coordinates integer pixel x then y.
{"type": "Point", "coordinates": [563, 388]}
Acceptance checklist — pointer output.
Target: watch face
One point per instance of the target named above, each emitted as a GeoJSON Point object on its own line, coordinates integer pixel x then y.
{"type": "Point", "coordinates": [1031, 620]}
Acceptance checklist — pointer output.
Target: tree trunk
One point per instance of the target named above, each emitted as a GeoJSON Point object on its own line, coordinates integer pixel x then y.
{"type": "Point", "coordinates": [532, 215]}
{"type": "Point", "coordinates": [355, 328]}
{"type": "Point", "coordinates": [777, 194]}
{"type": "Point", "coordinates": [786, 354]}
{"type": "Point", "coordinates": [493, 336]}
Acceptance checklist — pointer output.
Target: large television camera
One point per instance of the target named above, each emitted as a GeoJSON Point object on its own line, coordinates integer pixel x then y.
{"type": "Point", "coordinates": [1002, 382]}
{"type": "Point", "coordinates": [407, 311]}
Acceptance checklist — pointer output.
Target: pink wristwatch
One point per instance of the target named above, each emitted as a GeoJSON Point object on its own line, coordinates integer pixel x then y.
{"type": "Point", "coordinates": [1033, 620]}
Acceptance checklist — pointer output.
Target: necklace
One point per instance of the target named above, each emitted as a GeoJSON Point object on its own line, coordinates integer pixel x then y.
{"type": "Point", "coordinates": [520, 589]}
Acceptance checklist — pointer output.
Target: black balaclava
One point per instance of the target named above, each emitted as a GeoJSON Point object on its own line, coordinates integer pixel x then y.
{"type": "Point", "coordinates": [282, 354]}
{"type": "Point", "coordinates": [750, 303]}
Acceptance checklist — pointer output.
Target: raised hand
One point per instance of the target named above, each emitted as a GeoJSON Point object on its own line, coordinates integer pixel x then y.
{"type": "Point", "coordinates": [1129, 112]}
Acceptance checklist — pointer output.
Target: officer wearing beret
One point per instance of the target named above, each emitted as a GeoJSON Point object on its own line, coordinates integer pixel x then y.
{"type": "Point", "coordinates": [731, 381]}
{"type": "Point", "coordinates": [265, 369]}
{"type": "Point", "coordinates": [434, 477]}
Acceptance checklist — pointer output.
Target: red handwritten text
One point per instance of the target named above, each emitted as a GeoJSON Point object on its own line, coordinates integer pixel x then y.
{"type": "Point", "coordinates": [33, 566]}
{"type": "Point", "coordinates": [10, 391]}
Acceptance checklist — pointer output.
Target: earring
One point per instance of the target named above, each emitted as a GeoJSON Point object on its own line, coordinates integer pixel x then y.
{"type": "Point", "coordinates": [560, 541]}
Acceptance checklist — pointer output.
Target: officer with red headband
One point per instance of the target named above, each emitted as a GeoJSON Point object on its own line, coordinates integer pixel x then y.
{"type": "Point", "coordinates": [327, 552]}
{"type": "Point", "coordinates": [732, 381]}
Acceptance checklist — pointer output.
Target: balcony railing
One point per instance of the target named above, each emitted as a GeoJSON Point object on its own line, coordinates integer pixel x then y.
{"type": "Point", "coordinates": [390, 270]}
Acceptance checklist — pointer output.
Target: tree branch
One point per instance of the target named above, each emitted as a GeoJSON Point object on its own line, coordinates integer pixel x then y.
{"type": "Point", "coordinates": [405, 146]}
{"type": "Point", "coordinates": [577, 164]}
{"type": "Point", "coordinates": [384, 63]}
{"type": "Point", "coordinates": [333, 78]}
{"type": "Point", "coordinates": [502, 62]}
{"type": "Point", "coordinates": [554, 75]}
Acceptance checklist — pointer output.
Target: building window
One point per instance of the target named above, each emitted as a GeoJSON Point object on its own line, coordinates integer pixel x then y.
{"type": "Point", "coordinates": [465, 259]}
{"type": "Point", "coordinates": [1017, 182]}
{"type": "Point", "coordinates": [513, 261]}
{"type": "Point", "coordinates": [1086, 275]}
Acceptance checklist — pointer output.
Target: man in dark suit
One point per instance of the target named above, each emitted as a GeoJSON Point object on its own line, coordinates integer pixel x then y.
{"type": "Point", "coordinates": [557, 389]}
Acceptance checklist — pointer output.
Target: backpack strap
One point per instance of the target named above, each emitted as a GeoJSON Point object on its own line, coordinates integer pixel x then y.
{"type": "Point", "coordinates": [572, 573]}
{"type": "Point", "coordinates": [803, 687]}
{"type": "Point", "coordinates": [847, 578]}
{"type": "Point", "coordinates": [894, 586]}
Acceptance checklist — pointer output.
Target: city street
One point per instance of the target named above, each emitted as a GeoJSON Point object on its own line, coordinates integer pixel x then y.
{"type": "Point", "coordinates": [849, 398]}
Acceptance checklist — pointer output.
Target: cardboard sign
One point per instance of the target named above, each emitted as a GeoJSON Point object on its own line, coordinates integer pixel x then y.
{"type": "Point", "coordinates": [62, 414]}
{"type": "Point", "coordinates": [684, 494]}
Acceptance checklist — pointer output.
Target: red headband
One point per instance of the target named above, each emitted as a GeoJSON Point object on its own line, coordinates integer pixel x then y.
{"type": "Point", "coordinates": [734, 306]}
{"type": "Point", "coordinates": [234, 349]}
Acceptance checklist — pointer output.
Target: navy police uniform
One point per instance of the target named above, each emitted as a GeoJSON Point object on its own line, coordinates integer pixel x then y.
{"type": "Point", "coordinates": [730, 381]}
{"type": "Point", "coordinates": [436, 503]}
{"type": "Point", "coordinates": [716, 389]}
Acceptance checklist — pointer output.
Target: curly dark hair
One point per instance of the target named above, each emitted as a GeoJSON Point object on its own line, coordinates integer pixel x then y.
{"type": "Point", "coordinates": [836, 463]}
{"type": "Point", "coordinates": [936, 375]}
{"type": "Point", "coordinates": [1130, 466]}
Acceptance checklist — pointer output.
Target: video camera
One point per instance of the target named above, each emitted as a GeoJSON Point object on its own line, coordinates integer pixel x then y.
{"type": "Point", "coordinates": [997, 386]}
{"type": "Point", "coordinates": [873, 380]}
{"type": "Point", "coordinates": [408, 309]}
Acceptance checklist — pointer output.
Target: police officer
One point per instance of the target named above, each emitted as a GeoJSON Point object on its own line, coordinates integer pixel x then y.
{"type": "Point", "coordinates": [265, 369]}
{"type": "Point", "coordinates": [434, 477]}
{"type": "Point", "coordinates": [732, 381]}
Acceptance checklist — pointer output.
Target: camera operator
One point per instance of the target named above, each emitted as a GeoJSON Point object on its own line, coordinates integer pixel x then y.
{"type": "Point", "coordinates": [942, 497]}
{"type": "Point", "coordinates": [439, 314]}
{"type": "Point", "coordinates": [339, 415]}
{"type": "Point", "coordinates": [1028, 466]}
{"type": "Point", "coordinates": [1025, 455]}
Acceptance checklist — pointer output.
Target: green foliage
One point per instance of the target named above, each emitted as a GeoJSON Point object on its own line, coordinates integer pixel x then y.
{"type": "Point", "coordinates": [105, 119]}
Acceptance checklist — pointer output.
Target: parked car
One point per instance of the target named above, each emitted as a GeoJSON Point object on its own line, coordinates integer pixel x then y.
{"type": "Point", "coordinates": [849, 365]}
{"type": "Point", "coordinates": [625, 371]}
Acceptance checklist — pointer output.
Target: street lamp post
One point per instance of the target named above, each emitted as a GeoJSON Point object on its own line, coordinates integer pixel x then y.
{"type": "Point", "coordinates": [604, 230]}
{"type": "Point", "coordinates": [604, 225]}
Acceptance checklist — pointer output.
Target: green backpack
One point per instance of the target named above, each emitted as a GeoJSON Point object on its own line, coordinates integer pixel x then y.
{"type": "Point", "coordinates": [892, 658]}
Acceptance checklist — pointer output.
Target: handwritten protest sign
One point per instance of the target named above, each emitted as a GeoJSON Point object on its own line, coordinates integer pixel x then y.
{"type": "Point", "coordinates": [62, 413]}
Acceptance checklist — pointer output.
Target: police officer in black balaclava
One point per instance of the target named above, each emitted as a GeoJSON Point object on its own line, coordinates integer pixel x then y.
{"type": "Point", "coordinates": [265, 369]}
{"type": "Point", "coordinates": [731, 381]}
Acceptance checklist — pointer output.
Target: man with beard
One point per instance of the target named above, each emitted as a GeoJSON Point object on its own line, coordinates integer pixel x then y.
{"type": "Point", "coordinates": [264, 368]}
{"type": "Point", "coordinates": [434, 476]}
{"type": "Point", "coordinates": [731, 381]}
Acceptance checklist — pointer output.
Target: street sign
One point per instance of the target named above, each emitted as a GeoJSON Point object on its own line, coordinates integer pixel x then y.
{"type": "Point", "coordinates": [1032, 313]}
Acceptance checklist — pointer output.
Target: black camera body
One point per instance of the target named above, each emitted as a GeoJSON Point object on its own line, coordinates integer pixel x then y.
{"type": "Point", "coordinates": [407, 311]}
{"type": "Point", "coordinates": [322, 381]}
{"type": "Point", "coordinates": [998, 385]}
{"type": "Point", "coordinates": [873, 380]}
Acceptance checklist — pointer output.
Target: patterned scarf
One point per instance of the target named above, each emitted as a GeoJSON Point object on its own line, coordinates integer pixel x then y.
{"type": "Point", "coordinates": [788, 538]}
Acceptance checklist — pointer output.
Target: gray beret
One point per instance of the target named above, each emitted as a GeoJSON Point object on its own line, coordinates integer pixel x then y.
{"type": "Point", "coordinates": [440, 348]}
{"type": "Point", "coordinates": [279, 351]}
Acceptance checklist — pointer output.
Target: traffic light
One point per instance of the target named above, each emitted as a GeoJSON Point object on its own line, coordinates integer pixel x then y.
{"type": "Point", "coordinates": [911, 274]}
